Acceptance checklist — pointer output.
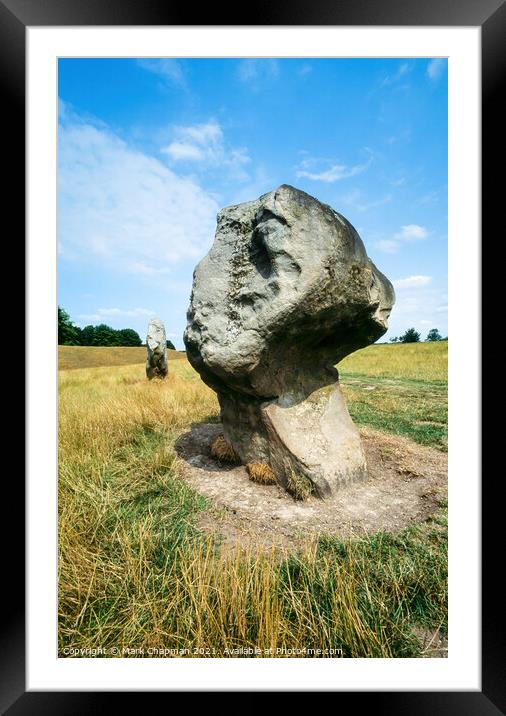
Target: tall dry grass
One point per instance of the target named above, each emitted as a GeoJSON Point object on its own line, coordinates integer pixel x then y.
{"type": "Point", "coordinates": [71, 357]}
{"type": "Point", "coordinates": [135, 575]}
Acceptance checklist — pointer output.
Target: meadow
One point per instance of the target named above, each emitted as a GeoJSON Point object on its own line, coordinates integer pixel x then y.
{"type": "Point", "coordinates": [136, 574]}
{"type": "Point", "coordinates": [72, 357]}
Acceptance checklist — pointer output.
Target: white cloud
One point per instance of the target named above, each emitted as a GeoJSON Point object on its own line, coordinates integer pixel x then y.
{"type": "Point", "coordinates": [182, 151]}
{"type": "Point", "coordinates": [412, 282]}
{"type": "Point", "coordinates": [167, 68]}
{"type": "Point", "coordinates": [410, 232]}
{"type": "Point", "coordinates": [435, 68]}
{"type": "Point", "coordinates": [124, 207]}
{"type": "Point", "coordinates": [198, 142]}
{"type": "Point", "coordinates": [205, 144]}
{"type": "Point", "coordinates": [407, 234]}
{"type": "Point", "coordinates": [333, 173]}
{"type": "Point", "coordinates": [388, 246]}
{"type": "Point", "coordinates": [204, 134]}
{"type": "Point", "coordinates": [104, 313]}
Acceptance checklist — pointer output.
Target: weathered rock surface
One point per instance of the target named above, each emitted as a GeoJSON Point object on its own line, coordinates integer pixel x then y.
{"type": "Point", "coordinates": [156, 342]}
{"type": "Point", "coordinates": [285, 293]}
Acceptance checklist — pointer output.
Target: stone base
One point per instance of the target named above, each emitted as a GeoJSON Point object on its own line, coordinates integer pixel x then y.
{"type": "Point", "coordinates": [312, 437]}
{"type": "Point", "coordinates": [157, 369]}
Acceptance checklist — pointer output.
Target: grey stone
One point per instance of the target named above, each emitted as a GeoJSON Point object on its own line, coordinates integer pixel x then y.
{"type": "Point", "coordinates": [285, 293]}
{"type": "Point", "coordinates": [156, 342]}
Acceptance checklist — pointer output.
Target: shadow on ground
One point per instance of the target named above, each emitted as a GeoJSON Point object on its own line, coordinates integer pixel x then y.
{"type": "Point", "coordinates": [407, 484]}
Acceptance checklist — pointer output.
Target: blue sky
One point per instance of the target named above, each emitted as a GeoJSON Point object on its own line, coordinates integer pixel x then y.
{"type": "Point", "coordinates": [150, 149]}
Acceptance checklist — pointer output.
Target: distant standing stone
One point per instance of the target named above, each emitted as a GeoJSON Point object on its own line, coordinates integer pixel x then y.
{"type": "Point", "coordinates": [156, 342]}
{"type": "Point", "coordinates": [286, 292]}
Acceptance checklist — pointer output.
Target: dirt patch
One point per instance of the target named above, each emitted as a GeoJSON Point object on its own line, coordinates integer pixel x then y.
{"type": "Point", "coordinates": [407, 483]}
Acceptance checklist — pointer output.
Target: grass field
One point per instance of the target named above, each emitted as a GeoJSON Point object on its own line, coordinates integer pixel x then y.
{"type": "Point", "coordinates": [135, 573]}
{"type": "Point", "coordinates": [402, 389]}
{"type": "Point", "coordinates": [71, 357]}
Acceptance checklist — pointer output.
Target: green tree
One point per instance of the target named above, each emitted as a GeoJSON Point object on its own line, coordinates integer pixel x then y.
{"type": "Point", "coordinates": [68, 334]}
{"type": "Point", "coordinates": [434, 335]}
{"type": "Point", "coordinates": [394, 339]}
{"type": "Point", "coordinates": [88, 336]}
{"type": "Point", "coordinates": [106, 336]}
{"type": "Point", "coordinates": [171, 345]}
{"type": "Point", "coordinates": [102, 335]}
{"type": "Point", "coordinates": [411, 336]}
{"type": "Point", "coordinates": [129, 337]}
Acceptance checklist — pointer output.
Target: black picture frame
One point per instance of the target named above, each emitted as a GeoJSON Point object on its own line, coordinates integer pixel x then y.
{"type": "Point", "coordinates": [490, 15]}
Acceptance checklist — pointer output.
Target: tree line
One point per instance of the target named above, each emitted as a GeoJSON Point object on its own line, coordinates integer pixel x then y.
{"type": "Point", "coordinates": [413, 336]}
{"type": "Point", "coordinates": [101, 335]}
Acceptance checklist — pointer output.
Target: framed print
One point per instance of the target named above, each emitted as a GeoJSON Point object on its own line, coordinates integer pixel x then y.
{"type": "Point", "coordinates": [191, 532]}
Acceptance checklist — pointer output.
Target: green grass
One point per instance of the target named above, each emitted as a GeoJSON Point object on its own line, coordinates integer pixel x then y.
{"type": "Point", "coordinates": [415, 409]}
{"type": "Point", "coordinates": [416, 361]}
{"type": "Point", "coordinates": [401, 389]}
{"type": "Point", "coordinates": [136, 573]}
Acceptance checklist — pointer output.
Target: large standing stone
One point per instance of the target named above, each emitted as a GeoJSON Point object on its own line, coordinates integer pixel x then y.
{"type": "Point", "coordinates": [285, 293]}
{"type": "Point", "coordinates": [156, 342]}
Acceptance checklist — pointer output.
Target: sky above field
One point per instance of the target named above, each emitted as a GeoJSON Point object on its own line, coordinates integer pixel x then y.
{"type": "Point", "coordinates": [150, 149]}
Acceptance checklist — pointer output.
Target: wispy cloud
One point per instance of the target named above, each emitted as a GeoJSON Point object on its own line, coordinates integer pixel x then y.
{"type": "Point", "coordinates": [256, 70]}
{"type": "Point", "coordinates": [184, 151]}
{"type": "Point", "coordinates": [355, 200]}
{"type": "Point", "coordinates": [205, 144]}
{"type": "Point", "coordinates": [388, 246]}
{"type": "Point", "coordinates": [412, 282]}
{"type": "Point", "coordinates": [394, 81]}
{"type": "Point", "coordinates": [395, 77]}
{"type": "Point", "coordinates": [168, 69]}
{"type": "Point", "coordinates": [435, 68]}
{"type": "Point", "coordinates": [407, 234]}
{"type": "Point", "coordinates": [311, 168]}
{"type": "Point", "coordinates": [124, 207]}
{"type": "Point", "coordinates": [103, 314]}
{"type": "Point", "coordinates": [334, 173]}
{"type": "Point", "coordinates": [411, 232]}
{"type": "Point", "coordinates": [260, 183]}
{"type": "Point", "coordinates": [141, 267]}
